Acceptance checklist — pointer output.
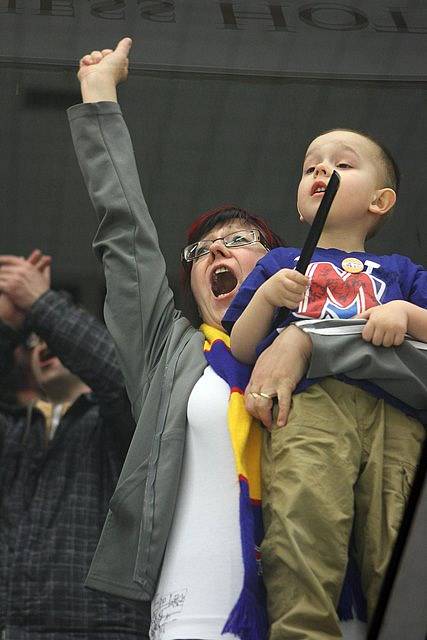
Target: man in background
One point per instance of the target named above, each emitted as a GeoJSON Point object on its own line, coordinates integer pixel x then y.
{"type": "Point", "coordinates": [66, 428]}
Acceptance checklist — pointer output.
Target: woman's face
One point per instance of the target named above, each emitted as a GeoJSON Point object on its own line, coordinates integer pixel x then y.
{"type": "Point", "coordinates": [216, 277]}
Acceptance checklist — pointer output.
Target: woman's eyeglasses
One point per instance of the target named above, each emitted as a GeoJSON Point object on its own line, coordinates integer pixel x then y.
{"type": "Point", "coordinates": [231, 240]}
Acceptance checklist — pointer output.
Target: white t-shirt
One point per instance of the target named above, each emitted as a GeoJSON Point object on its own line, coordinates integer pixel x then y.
{"type": "Point", "coordinates": [202, 572]}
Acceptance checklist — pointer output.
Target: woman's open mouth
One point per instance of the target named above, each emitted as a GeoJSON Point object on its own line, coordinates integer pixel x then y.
{"type": "Point", "coordinates": [223, 281]}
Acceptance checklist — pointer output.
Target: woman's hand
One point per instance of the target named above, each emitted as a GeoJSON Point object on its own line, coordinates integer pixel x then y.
{"type": "Point", "coordinates": [276, 374]}
{"type": "Point", "coordinates": [101, 71]}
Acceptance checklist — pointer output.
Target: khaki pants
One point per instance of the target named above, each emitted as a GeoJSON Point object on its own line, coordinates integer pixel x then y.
{"type": "Point", "coordinates": [345, 461]}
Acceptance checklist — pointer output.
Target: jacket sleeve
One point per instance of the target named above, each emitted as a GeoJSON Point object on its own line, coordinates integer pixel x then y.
{"type": "Point", "coordinates": [85, 347]}
{"type": "Point", "coordinates": [400, 371]}
{"type": "Point", "coordinates": [79, 340]}
{"type": "Point", "coordinates": [139, 306]}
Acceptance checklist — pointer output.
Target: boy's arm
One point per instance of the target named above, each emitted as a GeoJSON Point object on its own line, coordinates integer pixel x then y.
{"type": "Point", "coordinates": [417, 322]}
{"type": "Point", "coordinates": [286, 288]}
{"type": "Point", "coordinates": [252, 326]}
{"type": "Point", "coordinates": [387, 324]}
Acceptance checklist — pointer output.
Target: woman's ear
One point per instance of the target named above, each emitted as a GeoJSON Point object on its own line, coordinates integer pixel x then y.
{"type": "Point", "coordinates": [383, 201]}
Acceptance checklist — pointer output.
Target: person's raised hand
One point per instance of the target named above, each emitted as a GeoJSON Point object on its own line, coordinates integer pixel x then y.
{"type": "Point", "coordinates": [9, 312]}
{"type": "Point", "coordinates": [276, 374]}
{"type": "Point", "coordinates": [42, 263]}
{"type": "Point", "coordinates": [22, 282]}
{"type": "Point", "coordinates": [101, 71]}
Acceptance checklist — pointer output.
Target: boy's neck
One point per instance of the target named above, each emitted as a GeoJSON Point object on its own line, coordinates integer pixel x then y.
{"type": "Point", "coordinates": [343, 240]}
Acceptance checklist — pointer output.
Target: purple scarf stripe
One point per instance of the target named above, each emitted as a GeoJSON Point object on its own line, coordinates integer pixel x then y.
{"type": "Point", "coordinates": [227, 367]}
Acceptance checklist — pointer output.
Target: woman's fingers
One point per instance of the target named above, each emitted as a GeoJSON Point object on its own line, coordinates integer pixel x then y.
{"type": "Point", "coordinates": [96, 56]}
{"type": "Point", "coordinates": [86, 60]}
{"type": "Point", "coordinates": [259, 407]}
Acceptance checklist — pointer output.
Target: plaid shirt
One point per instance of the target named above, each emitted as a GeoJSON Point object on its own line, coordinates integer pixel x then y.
{"type": "Point", "coordinates": [54, 494]}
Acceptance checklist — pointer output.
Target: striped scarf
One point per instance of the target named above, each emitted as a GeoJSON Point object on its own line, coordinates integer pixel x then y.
{"type": "Point", "coordinates": [248, 618]}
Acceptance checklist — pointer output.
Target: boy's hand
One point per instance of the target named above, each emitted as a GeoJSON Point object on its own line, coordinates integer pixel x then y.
{"type": "Point", "coordinates": [101, 71]}
{"type": "Point", "coordinates": [386, 324]}
{"type": "Point", "coordinates": [276, 374]}
{"type": "Point", "coordinates": [286, 288]}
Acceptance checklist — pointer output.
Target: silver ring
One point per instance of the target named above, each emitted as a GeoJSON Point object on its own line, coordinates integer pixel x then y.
{"type": "Point", "coordinates": [254, 394]}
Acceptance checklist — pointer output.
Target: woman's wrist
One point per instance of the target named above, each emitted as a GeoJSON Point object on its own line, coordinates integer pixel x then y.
{"type": "Point", "coordinates": [300, 339]}
{"type": "Point", "coordinates": [98, 89]}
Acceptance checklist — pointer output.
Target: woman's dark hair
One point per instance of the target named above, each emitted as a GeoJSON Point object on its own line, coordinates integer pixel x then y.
{"type": "Point", "coordinates": [206, 221]}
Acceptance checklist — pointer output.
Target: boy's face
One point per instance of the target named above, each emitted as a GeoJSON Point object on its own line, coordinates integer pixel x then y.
{"type": "Point", "coordinates": [358, 163]}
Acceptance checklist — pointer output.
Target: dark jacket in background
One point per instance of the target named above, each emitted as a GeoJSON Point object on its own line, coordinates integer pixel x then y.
{"type": "Point", "coordinates": [54, 494]}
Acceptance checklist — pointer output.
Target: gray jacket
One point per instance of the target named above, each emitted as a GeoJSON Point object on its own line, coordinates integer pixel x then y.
{"type": "Point", "coordinates": [159, 350]}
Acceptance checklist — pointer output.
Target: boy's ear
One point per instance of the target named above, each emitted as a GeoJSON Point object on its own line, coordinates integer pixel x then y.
{"type": "Point", "coordinates": [383, 201]}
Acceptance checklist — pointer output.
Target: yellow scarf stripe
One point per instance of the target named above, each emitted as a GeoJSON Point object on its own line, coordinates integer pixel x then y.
{"type": "Point", "coordinates": [211, 334]}
{"type": "Point", "coordinates": [246, 437]}
{"type": "Point", "coordinates": [245, 431]}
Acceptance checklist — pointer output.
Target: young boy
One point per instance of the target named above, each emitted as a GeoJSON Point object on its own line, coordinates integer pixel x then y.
{"type": "Point", "coordinates": [341, 468]}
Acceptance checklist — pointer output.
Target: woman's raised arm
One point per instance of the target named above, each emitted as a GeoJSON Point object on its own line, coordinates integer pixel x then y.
{"type": "Point", "coordinates": [139, 307]}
